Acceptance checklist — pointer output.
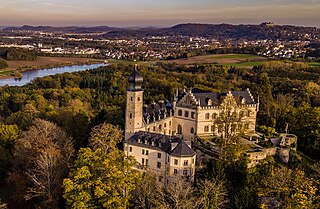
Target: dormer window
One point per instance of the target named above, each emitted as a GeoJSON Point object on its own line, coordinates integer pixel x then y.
{"type": "Point", "coordinates": [208, 101]}
{"type": "Point", "coordinates": [242, 100]}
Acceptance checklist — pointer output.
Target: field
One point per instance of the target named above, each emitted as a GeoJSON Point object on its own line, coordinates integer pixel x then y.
{"type": "Point", "coordinates": [241, 60]}
{"type": "Point", "coordinates": [314, 64]}
{"type": "Point", "coordinates": [44, 62]}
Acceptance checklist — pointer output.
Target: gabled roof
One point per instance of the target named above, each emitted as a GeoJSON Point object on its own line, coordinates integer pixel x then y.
{"type": "Point", "coordinates": [217, 97]}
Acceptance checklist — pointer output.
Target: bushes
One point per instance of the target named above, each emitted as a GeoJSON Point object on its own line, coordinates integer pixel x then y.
{"type": "Point", "coordinates": [3, 64]}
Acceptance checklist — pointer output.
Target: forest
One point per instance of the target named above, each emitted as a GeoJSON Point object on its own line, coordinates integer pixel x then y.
{"type": "Point", "coordinates": [59, 139]}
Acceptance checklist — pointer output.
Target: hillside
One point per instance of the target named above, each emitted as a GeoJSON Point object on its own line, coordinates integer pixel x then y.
{"type": "Point", "coordinates": [217, 31]}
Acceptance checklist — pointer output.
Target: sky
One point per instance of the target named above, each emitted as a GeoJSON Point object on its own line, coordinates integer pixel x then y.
{"type": "Point", "coordinates": [160, 13]}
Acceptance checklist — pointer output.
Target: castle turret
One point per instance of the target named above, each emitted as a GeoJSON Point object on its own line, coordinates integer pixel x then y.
{"type": "Point", "coordinates": [134, 111]}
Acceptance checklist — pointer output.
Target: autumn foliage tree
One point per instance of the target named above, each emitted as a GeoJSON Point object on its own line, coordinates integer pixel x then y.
{"type": "Point", "coordinates": [41, 161]}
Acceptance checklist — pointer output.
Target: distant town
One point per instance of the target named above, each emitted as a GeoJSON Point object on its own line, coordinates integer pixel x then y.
{"type": "Point", "coordinates": [166, 44]}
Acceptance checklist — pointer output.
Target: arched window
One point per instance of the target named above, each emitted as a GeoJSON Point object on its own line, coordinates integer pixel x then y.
{"type": "Point", "coordinates": [207, 116]}
{"type": "Point", "coordinates": [179, 129]}
{"type": "Point", "coordinates": [180, 112]}
{"type": "Point", "coordinates": [138, 99]}
{"type": "Point", "coordinates": [165, 125]}
{"type": "Point", "coordinates": [160, 127]}
{"type": "Point", "coordinates": [192, 130]}
{"type": "Point", "coordinates": [214, 116]}
{"type": "Point", "coordinates": [154, 128]}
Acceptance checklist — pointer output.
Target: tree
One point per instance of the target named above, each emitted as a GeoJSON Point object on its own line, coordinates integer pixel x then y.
{"type": "Point", "coordinates": [304, 121]}
{"type": "Point", "coordinates": [213, 194]}
{"type": "Point", "coordinates": [179, 194]}
{"type": "Point", "coordinates": [105, 136]}
{"type": "Point", "coordinates": [9, 134]}
{"type": "Point", "coordinates": [100, 180]}
{"type": "Point", "coordinates": [41, 161]}
{"type": "Point", "coordinates": [148, 193]}
{"type": "Point", "coordinates": [290, 189]}
{"type": "Point", "coordinates": [3, 64]}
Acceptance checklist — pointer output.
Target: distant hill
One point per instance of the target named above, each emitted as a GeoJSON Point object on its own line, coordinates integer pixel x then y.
{"type": "Point", "coordinates": [217, 31]}
{"type": "Point", "coordinates": [71, 29]}
{"type": "Point", "coordinates": [228, 31]}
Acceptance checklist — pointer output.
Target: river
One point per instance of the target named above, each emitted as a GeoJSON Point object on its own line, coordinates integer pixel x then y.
{"type": "Point", "coordinates": [28, 76]}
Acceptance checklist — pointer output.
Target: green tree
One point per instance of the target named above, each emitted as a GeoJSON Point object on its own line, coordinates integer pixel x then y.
{"type": "Point", "coordinates": [9, 134]}
{"type": "Point", "coordinates": [3, 64]}
{"type": "Point", "coordinates": [100, 180]}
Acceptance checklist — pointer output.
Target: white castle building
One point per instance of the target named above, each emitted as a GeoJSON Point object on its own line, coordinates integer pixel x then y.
{"type": "Point", "coordinates": [159, 135]}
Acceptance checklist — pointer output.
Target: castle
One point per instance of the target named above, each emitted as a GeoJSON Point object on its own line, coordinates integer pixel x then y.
{"type": "Point", "coordinates": [193, 112]}
{"type": "Point", "coordinates": [159, 135]}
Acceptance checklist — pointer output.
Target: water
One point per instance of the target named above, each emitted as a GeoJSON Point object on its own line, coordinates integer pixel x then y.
{"type": "Point", "coordinates": [27, 76]}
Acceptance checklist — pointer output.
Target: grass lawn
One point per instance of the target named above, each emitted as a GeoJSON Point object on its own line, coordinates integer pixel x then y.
{"type": "Point", "coordinates": [237, 56]}
{"type": "Point", "coordinates": [246, 64]}
{"type": "Point", "coordinates": [314, 64]}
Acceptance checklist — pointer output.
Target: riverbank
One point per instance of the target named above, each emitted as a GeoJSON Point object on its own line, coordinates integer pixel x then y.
{"type": "Point", "coordinates": [17, 67]}
{"type": "Point", "coordinates": [28, 76]}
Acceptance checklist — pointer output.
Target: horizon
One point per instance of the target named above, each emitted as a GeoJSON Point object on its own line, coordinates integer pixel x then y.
{"type": "Point", "coordinates": [146, 13]}
{"type": "Point", "coordinates": [152, 26]}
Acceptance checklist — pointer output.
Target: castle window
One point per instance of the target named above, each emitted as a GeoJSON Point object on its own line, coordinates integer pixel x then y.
{"type": "Point", "coordinates": [206, 129]}
{"type": "Point", "coordinates": [159, 155]}
{"type": "Point", "coordinates": [179, 112]}
{"type": "Point", "coordinates": [249, 113]}
{"type": "Point", "coordinates": [165, 125]}
{"type": "Point", "coordinates": [169, 123]}
{"type": "Point", "coordinates": [158, 164]}
{"type": "Point", "coordinates": [130, 115]}
{"type": "Point", "coordinates": [160, 127]}
{"type": "Point", "coordinates": [130, 149]}
{"type": "Point", "coordinates": [207, 116]}
{"type": "Point", "coordinates": [186, 114]}
{"type": "Point", "coordinates": [192, 130]}
{"type": "Point", "coordinates": [214, 116]}
{"type": "Point", "coordinates": [143, 151]}
{"type": "Point", "coordinates": [131, 98]}
{"type": "Point", "coordinates": [179, 129]}
{"type": "Point", "coordinates": [175, 171]}
{"type": "Point", "coordinates": [185, 172]}
{"type": "Point", "coordinates": [142, 161]}
{"type": "Point", "coordinates": [185, 163]}
{"type": "Point", "coordinates": [146, 161]}
{"type": "Point", "coordinates": [147, 152]}
{"type": "Point", "coordinates": [193, 115]}
{"type": "Point", "coordinates": [192, 160]}
{"type": "Point", "coordinates": [138, 99]}
{"type": "Point", "coordinates": [213, 128]}
{"type": "Point", "coordinates": [176, 162]}
{"type": "Point", "coordinates": [154, 128]}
